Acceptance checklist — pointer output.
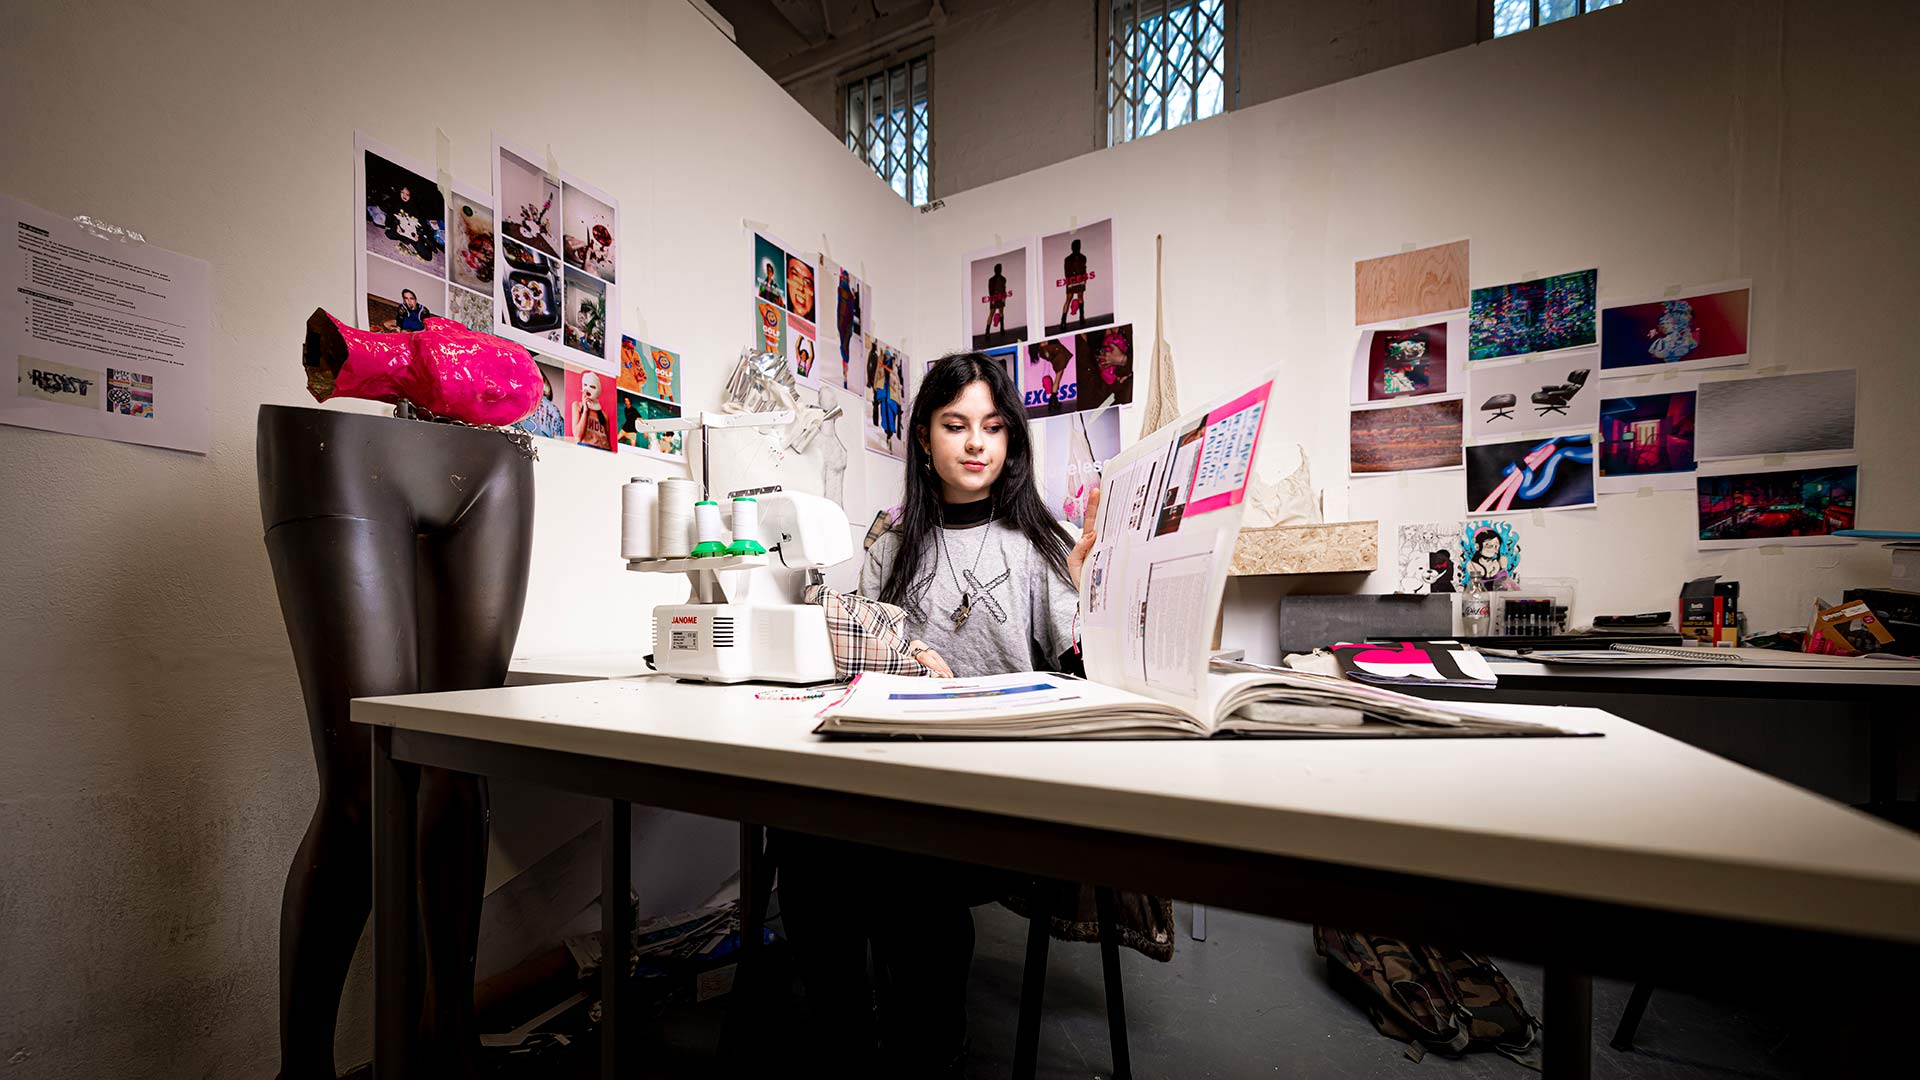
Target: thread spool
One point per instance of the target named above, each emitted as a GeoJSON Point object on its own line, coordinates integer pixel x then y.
{"type": "Point", "coordinates": [707, 530]}
{"type": "Point", "coordinates": [746, 527]}
{"type": "Point", "coordinates": [639, 519]}
{"type": "Point", "coordinates": [675, 537]}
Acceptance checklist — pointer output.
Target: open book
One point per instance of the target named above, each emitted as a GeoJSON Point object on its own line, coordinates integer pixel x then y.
{"type": "Point", "coordinates": [1170, 511]}
{"type": "Point", "coordinates": [1268, 702]}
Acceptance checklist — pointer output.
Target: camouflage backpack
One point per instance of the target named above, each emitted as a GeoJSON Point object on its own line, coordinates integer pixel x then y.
{"type": "Point", "coordinates": [1443, 1000]}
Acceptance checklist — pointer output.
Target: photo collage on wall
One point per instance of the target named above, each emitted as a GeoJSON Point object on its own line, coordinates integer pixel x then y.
{"type": "Point", "coordinates": [649, 389]}
{"type": "Point", "coordinates": [422, 254]}
{"type": "Point", "coordinates": [1406, 375]}
{"type": "Point", "coordinates": [558, 289]}
{"type": "Point", "coordinates": [819, 316]}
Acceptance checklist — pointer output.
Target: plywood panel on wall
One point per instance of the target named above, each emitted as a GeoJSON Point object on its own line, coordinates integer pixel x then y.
{"type": "Point", "coordinates": [1418, 282]}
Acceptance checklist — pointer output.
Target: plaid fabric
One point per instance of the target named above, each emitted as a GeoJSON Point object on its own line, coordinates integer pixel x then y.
{"type": "Point", "coordinates": [867, 635]}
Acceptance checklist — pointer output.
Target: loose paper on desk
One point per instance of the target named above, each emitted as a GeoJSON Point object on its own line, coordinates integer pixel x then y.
{"type": "Point", "coordinates": [109, 338]}
{"type": "Point", "coordinates": [1170, 513]}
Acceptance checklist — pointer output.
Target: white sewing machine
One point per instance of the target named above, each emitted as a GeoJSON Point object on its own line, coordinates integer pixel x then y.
{"type": "Point", "coordinates": [743, 619]}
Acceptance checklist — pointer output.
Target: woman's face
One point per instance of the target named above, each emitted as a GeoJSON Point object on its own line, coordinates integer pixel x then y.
{"type": "Point", "coordinates": [590, 389]}
{"type": "Point", "coordinates": [407, 298]}
{"type": "Point", "coordinates": [799, 285]}
{"type": "Point", "coordinates": [967, 442]}
{"type": "Point", "coordinates": [1490, 548]}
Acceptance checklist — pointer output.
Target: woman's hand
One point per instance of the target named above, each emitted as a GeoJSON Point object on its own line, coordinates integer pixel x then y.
{"type": "Point", "coordinates": [929, 659]}
{"type": "Point", "coordinates": [1089, 532]}
{"type": "Point", "coordinates": [579, 411]}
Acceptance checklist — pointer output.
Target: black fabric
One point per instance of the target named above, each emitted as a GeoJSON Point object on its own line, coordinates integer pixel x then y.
{"type": "Point", "coordinates": [962, 515]}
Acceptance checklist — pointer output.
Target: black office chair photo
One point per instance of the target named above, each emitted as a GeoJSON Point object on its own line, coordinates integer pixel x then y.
{"type": "Point", "coordinates": [1555, 397]}
{"type": "Point", "coordinates": [1501, 406]}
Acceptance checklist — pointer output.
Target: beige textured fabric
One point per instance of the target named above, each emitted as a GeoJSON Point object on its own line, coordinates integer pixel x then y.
{"type": "Point", "coordinates": [1163, 397]}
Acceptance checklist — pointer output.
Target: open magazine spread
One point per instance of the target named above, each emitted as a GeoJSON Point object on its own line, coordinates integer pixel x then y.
{"type": "Point", "coordinates": [1169, 517]}
{"type": "Point", "coordinates": [1266, 702]}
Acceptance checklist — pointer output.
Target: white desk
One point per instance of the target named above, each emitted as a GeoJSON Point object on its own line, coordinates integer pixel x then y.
{"type": "Point", "coordinates": [1617, 855]}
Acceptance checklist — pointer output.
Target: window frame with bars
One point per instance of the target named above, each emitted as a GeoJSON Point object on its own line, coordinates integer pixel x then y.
{"type": "Point", "coordinates": [897, 172]}
{"type": "Point", "coordinates": [1115, 72]}
{"type": "Point", "coordinates": [1489, 15]}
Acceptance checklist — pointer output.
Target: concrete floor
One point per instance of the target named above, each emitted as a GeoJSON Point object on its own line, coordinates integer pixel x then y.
{"type": "Point", "coordinates": [1252, 1001]}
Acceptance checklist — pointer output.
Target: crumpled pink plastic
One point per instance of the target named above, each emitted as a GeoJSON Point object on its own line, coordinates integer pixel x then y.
{"type": "Point", "coordinates": [445, 369]}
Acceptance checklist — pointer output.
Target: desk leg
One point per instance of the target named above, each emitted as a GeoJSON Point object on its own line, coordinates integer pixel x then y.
{"type": "Point", "coordinates": [397, 979]}
{"type": "Point", "coordinates": [616, 934]}
{"type": "Point", "coordinates": [1568, 1023]}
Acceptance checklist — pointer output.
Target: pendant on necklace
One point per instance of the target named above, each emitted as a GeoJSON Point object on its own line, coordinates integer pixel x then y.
{"type": "Point", "coordinates": [960, 613]}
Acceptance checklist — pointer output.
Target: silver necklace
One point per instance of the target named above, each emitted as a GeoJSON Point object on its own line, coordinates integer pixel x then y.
{"type": "Point", "coordinates": [965, 609]}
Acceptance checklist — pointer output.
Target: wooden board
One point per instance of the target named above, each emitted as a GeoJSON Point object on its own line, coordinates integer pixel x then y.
{"type": "Point", "coordinates": [1411, 283]}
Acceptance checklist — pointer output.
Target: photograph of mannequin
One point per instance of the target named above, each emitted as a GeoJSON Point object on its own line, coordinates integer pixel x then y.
{"type": "Point", "coordinates": [1078, 277]}
{"type": "Point", "coordinates": [988, 581]}
{"type": "Point", "coordinates": [587, 422]}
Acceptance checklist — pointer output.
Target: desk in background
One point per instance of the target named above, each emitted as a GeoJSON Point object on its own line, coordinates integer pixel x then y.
{"type": "Point", "coordinates": [1632, 854]}
{"type": "Point", "coordinates": [1782, 721]}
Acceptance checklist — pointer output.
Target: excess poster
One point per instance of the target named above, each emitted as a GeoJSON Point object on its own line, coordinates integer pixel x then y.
{"type": "Point", "coordinates": [557, 242]}
{"type": "Point", "coordinates": [997, 296]}
{"type": "Point", "coordinates": [1076, 276]}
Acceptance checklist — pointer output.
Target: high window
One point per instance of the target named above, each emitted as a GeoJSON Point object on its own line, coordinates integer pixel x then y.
{"type": "Point", "coordinates": [1513, 16]}
{"type": "Point", "coordinates": [1166, 64]}
{"type": "Point", "coordinates": [889, 125]}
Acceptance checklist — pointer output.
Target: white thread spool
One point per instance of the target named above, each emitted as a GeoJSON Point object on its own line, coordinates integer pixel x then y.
{"type": "Point", "coordinates": [709, 536]}
{"type": "Point", "coordinates": [675, 538]}
{"type": "Point", "coordinates": [639, 518]}
{"type": "Point", "coordinates": [746, 528]}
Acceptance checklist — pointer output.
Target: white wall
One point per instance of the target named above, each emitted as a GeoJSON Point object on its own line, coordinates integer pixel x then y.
{"type": "Point", "coordinates": [1764, 148]}
{"type": "Point", "coordinates": [157, 772]}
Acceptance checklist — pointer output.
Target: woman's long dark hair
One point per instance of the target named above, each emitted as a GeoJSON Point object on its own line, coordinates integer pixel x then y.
{"type": "Point", "coordinates": [1016, 500]}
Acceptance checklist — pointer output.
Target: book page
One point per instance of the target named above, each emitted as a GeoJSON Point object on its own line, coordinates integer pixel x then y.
{"type": "Point", "coordinates": [1170, 510]}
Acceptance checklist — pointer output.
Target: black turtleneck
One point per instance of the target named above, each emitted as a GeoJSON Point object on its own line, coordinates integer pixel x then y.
{"type": "Point", "coordinates": [965, 515]}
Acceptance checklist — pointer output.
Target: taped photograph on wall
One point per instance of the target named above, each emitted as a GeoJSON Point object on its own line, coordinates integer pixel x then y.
{"type": "Point", "coordinates": [770, 325]}
{"type": "Point", "coordinates": [649, 370]}
{"type": "Point", "coordinates": [1425, 561]}
{"type": "Point", "coordinates": [1552, 393]}
{"type": "Point", "coordinates": [800, 291]}
{"type": "Point", "coordinates": [801, 351]}
{"type": "Point", "coordinates": [888, 400]}
{"type": "Point", "coordinates": [1707, 330]}
{"type": "Point", "coordinates": [843, 326]}
{"type": "Point", "coordinates": [1646, 440]}
{"type": "Point", "coordinates": [1390, 364]}
{"type": "Point", "coordinates": [1050, 378]}
{"type": "Point", "coordinates": [1074, 449]}
{"type": "Point", "coordinates": [635, 410]}
{"type": "Point", "coordinates": [1792, 506]}
{"type": "Point", "coordinates": [1407, 284]}
{"type": "Point", "coordinates": [1552, 473]}
{"type": "Point", "coordinates": [1076, 277]}
{"type": "Point", "coordinates": [1777, 414]}
{"type": "Point", "coordinates": [556, 289]}
{"type": "Point", "coordinates": [1008, 356]}
{"type": "Point", "coordinates": [997, 295]}
{"type": "Point", "coordinates": [1104, 359]}
{"type": "Point", "coordinates": [1532, 316]}
{"type": "Point", "coordinates": [549, 418]}
{"type": "Point", "coordinates": [470, 228]}
{"type": "Point", "coordinates": [1489, 551]}
{"type": "Point", "coordinates": [398, 298]}
{"type": "Point", "coordinates": [591, 408]}
{"type": "Point", "coordinates": [1404, 438]}
{"type": "Point", "coordinates": [406, 215]}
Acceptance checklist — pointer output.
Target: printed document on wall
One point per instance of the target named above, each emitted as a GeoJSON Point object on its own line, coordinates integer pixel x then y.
{"type": "Point", "coordinates": [1169, 517]}
{"type": "Point", "coordinates": [108, 338]}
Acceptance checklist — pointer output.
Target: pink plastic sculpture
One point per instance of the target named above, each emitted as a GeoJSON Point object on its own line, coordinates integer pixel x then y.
{"type": "Point", "coordinates": [446, 369]}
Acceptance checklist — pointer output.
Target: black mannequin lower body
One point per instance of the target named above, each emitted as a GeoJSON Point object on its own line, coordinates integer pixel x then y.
{"type": "Point", "coordinates": [400, 550]}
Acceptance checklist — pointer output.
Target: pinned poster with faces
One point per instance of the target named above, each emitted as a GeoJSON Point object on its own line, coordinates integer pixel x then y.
{"type": "Point", "coordinates": [649, 370]}
{"type": "Point", "coordinates": [845, 307]}
{"type": "Point", "coordinates": [1426, 561]}
{"type": "Point", "coordinates": [1105, 361]}
{"type": "Point", "coordinates": [665, 445]}
{"type": "Point", "coordinates": [1076, 277]}
{"type": "Point", "coordinates": [557, 246]}
{"type": "Point", "coordinates": [423, 252]}
{"type": "Point", "coordinates": [1490, 555]}
{"type": "Point", "coordinates": [997, 296]}
{"type": "Point", "coordinates": [802, 351]}
{"type": "Point", "coordinates": [888, 405]}
{"type": "Point", "coordinates": [786, 304]}
{"type": "Point", "coordinates": [1050, 377]}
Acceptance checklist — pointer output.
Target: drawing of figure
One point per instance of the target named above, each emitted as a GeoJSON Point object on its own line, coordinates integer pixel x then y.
{"type": "Point", "coordinates": [1440, 571]}
{"type": "Point", "coordinates": [1677, 336]}
{"type": "Point", "coordinates": [1487, 569]}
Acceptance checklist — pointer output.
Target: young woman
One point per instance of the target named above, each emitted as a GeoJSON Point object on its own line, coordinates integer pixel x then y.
{"type": "Point", "coordinates": [989, 584]}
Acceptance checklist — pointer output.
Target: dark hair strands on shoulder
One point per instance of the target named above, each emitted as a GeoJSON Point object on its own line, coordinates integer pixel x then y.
{"type": "Point", "coordinates": [1017, 498]}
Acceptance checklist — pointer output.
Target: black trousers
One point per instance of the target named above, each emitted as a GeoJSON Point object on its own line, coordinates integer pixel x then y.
{"type": "Point", "coordinates": [837, 899]}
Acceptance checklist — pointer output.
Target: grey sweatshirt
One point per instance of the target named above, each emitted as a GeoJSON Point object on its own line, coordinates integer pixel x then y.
{"type": "Point", "coordinates": [1023, 613]}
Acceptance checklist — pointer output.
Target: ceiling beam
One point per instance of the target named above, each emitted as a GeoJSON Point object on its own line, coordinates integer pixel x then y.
{"type": "Point", "coordinates": [856, 45]}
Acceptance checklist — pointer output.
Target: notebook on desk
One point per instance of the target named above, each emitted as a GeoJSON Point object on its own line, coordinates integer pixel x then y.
{"type": "Point", "coordinates": [1150, 593]}
{"type": "Point", "coordinates": [1658, 656]}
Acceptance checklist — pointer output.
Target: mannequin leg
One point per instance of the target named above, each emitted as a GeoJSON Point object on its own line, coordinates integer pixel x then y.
{"type": "Point", "coordinates": [351, 628]}
{"type": "Point", "coordinates": [472, 590]}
